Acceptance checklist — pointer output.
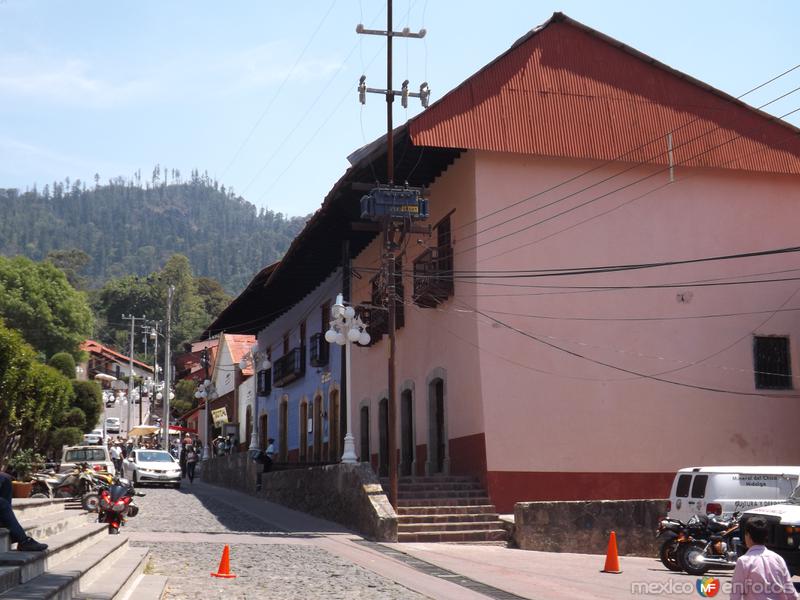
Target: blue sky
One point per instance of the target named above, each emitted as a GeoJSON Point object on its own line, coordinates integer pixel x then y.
{"type": "Point", "coordinates": [262, 94]}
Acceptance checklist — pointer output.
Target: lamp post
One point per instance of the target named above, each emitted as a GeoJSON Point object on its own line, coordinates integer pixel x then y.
{"type": "Point", "coordinates": [260, 362]}
{"type": "Point", "coordinates": [346, 328]}
{"type": "Point", "coordinates": [208, 392]}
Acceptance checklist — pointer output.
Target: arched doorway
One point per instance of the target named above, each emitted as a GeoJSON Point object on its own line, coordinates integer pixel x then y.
{"type": "Point", "coordinates": [317, 428]}
{"type": "Point", "coordinates": [438, 459]}
{"type": "Point", "coordinates": [364, 434]}
{"type": "Point", "coordinates": [303, 431]}
{"type": "Point", "coordinates": [383, 438]}
{"type": "Point", "coordinates": [283, 437]}
{"type": "Point", "coordinates": [263, 431]}
{"type": "Point", "coordinates": [334, 437]}
{"type": "Point", "coordinates": [406, 433]}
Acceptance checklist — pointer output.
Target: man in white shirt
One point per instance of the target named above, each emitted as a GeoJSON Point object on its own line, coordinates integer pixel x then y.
{"type": "Point", "coordinates": [760, 574]}
{"type": "Point", "coordinates": [116, 458]}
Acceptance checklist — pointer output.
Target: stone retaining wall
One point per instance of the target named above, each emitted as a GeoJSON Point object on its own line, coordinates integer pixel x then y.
{"type": "Point", "coordinates": [584, 526]}
{"type": "Point", "coordinates": [350, 495]}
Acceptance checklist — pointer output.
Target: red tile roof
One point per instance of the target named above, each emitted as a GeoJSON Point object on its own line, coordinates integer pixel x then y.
{"type": "Point", "coordinates": [566, 90]}
{"type": "Point", "coordinates": [240, 345]}
{"type": "Point", "coordinates": [94, 347]}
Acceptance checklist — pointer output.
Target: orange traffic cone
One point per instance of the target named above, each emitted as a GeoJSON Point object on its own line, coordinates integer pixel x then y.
{"type": "Point", "coordinates": [225, 565]}
{"type": "Point", "coordinates": [612, 558]}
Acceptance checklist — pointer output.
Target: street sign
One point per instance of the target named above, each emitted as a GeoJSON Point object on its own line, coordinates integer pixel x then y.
{"type": "Point", "coordinates": [220, 416]}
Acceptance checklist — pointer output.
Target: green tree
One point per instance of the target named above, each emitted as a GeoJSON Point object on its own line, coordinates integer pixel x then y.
{"type": "Point", "coordinates": [74, 417]}
{"type": "Point", "coordinates": [184, 400]}
{"type": "Point", "coordinates": [213, 296]}
{"type": "Point", "coordinates": [33, 396]}
{"type": "Point", "coordinates": [58, 438]}
{"type": "Point", "coordinates": [37, 300]}
{"type": "Point", "coordinates": [189, 318]}
{"type": "Point", "coordinates": [71, 262]}
{"type": "Point", "coordinates": [63, 363]}
{"type": "Point", "coordinates": [88, 398]}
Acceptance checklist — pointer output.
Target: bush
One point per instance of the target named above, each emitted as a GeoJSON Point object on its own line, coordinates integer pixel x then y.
{"type": "Point", "coordinates": [64, 363]}
{"type": "Point", "coordinates": [74, 417]}
{"type": "Point", "coordinates": [89, 398]}
{"type": "Point", "coordinates": [64, 436]}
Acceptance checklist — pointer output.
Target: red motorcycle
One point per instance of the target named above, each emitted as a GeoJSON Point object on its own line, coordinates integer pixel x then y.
{"type": "Point", "coordinates": [115, 504]}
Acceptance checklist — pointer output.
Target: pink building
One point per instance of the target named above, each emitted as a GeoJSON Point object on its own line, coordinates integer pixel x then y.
{"type": "Point", "coordinates": [573, 151]}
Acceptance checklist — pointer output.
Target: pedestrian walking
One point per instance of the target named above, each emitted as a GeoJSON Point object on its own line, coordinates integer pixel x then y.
{"type": "Point", "coordinates": [116, 458]}
{"type": "Point", "coordinates": [191, 462]}
{"type": "Point", "coordinates": [269, 455]}
{"type": "Point", "coordinates": [760, 574]}
{"type": "Point", "coordinates": [182, 459]}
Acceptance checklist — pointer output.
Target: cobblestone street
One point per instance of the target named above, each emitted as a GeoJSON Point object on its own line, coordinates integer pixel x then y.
{"type": "Point", "coordinates": [187, 529]}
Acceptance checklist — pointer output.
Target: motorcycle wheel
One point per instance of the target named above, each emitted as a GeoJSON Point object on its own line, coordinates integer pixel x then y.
{"type": "Point", "coordinates": [690, 558]}
{"type": "Point", "coordinates": [90, 501]}
{"type": "Point", "coordinates": [39, 495]}
{"type": "Point", "coordinates": [668, 553]}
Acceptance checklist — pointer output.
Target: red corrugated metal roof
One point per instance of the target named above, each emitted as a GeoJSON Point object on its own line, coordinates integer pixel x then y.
{"type": "Point", "coordinates": [567, 90]}
{"type": "Point", "coordinates": [92, 346]}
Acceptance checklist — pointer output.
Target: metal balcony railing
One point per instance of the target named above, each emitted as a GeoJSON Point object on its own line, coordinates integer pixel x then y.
{"type": "Point", "coordinates": [289, 367]}
{"type": "Point", "coordinates": [320, 350]}
{"type": "Point", "coordinates": [433, 277]}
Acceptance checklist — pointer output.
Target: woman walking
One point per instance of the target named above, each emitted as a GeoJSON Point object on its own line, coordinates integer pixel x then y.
{"type": "Point", "coordinates": [191, 462]}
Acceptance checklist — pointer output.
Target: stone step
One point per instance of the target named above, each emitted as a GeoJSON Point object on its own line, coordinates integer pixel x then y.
{"type": "Point", "coordinates": [430, 494]}
{"type": "Point", "coordinates": [147, 587]}
{"type": "Point", "coordinates": [62, 546]}
{"type": "Point", "coordinates": [474, 501]}
{"type": "Point", "coordinates": [119, 577]}
{"type": "Point", "coordinates": [447, 510]}
{"type": "Point", "coordinates": [470, 536]}
{"type": "Point", "coordinates": [442, 527]}
{"type": "Point", "coordinates": [432, 479]}
{"type": "Point", "coordinates": [447, 518]}
{"type": "Point", "coordinates": [46, 526]}
{"type": "Point", "coordinates": [28, 508]}
{"type": "Point", "coordinates": [424, 487]}
{"type": "Point", "coordinates": [63, 582]}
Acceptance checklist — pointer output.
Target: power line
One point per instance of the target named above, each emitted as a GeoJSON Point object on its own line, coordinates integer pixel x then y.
{"type": "Point", "coordinates": [280, 88]}
{"type": "Point", "coordinates": [596, 198]}
{"type": "Point", "coordinates": [619, 157]}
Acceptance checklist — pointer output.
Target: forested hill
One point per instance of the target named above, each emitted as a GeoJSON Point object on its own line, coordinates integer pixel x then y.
{"type": "Point", "coordinates": [132, 229]}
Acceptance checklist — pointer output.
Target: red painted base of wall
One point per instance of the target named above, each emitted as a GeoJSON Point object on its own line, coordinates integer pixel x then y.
{"type": "Point", "coordinates": [293, 455]}
{"type": "Point", "coordinates": [468, 456]}
{"type": "Point", "coordinates": [507, 487]}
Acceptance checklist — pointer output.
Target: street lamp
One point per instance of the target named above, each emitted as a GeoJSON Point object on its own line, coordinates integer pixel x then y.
{"type": "Point", "coordinates": [207, 391]}
{"type": "Point", "coordinates": [260, 362]}
{"type": "Point", "coordinates": [346, 329]}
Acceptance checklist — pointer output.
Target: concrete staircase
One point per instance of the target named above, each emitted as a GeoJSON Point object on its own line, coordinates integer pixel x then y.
{"type": "Point", "coordinates": [446, 509]}
{"type": "Point", "coordinates": [82, 561]}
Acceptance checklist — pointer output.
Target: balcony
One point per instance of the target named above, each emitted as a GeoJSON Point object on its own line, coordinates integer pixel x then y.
{"type": "Point", "coordinates": [289, 367]}
{"type": "Point", "coordinates": [320, 350]}
{"type": "Point", "coordinates": [433, 277]}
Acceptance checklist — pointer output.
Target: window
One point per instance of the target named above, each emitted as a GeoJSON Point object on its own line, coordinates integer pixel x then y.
{"type": "Point", "coordinates": [285, 343]}
{"type": "Point", "coordinates": [699, 486]}
{"type": "Point", "coordinates": [303, 334]}
{"type": "Point", "coordinates": [325, 314]}
{"type": "Point", "coordinates": [684, 481]}
{"type": "Point", "coordinates": [771, 363]}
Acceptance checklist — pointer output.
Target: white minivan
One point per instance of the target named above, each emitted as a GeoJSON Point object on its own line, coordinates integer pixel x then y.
{"type": "Point", "coordinates": [724, 490]}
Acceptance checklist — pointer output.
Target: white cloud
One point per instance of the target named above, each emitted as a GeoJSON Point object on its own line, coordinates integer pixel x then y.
{"type": "Point", "coordinates": [269, 64]}
{"type": "Point", "coordinates": [65, 81]}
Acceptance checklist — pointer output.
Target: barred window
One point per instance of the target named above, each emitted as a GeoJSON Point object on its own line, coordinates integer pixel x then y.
{"type": "Point", "coordinates": [772, 365]}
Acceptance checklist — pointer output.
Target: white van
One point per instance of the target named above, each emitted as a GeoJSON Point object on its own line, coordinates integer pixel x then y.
{"type": "Point", "coordinates": [724, 490]}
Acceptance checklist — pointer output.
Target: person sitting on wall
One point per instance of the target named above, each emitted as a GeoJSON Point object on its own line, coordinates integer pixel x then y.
{"type": "Point", "coordinates": [8, 519]}
{"type": "Point", "coordinates": [269, 455]}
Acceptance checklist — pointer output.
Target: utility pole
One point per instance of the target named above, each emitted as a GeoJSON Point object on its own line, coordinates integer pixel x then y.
{"type": "Point", "coordinates": [167, 367]}
{"type": "Point", "coordinates": [388, 205]}
{"type": "Point", "coordinates": [130, 374]}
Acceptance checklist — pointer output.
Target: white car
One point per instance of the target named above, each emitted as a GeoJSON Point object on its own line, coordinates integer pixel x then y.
{"type": "Point", "coordinates": [96, 456]}
{"type": "Point", "coordinates": [112, 425]}
{"type": "Point", "coordinates": [152, 466]}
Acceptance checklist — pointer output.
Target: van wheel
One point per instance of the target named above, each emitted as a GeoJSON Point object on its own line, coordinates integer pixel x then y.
{"type": "Point", "coordinates": [668, 553]}
{"type": "Point", "coordinates": [690, 558]}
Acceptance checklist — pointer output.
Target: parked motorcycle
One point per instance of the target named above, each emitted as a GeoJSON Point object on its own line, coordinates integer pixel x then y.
{"type": "Point", "coordinates": [115, 504]}
{"type": "Point", "coordinates": [711, 543]}
{"type": "Point", "coordinates": [667, 534]}
{"type": "Point", "coordinates": [74, 484]}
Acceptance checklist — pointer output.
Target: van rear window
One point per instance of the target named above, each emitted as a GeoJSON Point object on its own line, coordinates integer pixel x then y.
{"type": "Point", "coordinates": [683, 486]}
{"type": "Point", "coordinates": [85, 455]}
{"type": "Point", "coordinates": [699, 486]}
